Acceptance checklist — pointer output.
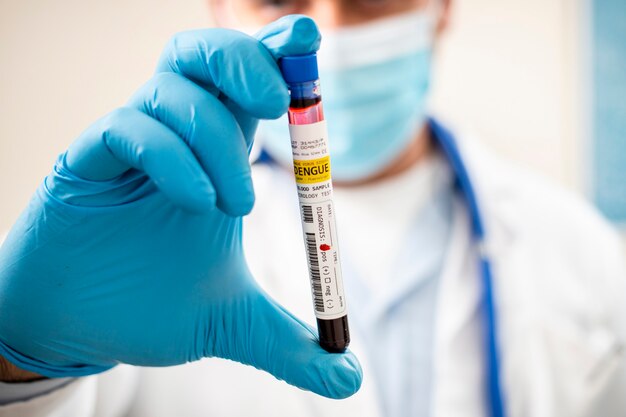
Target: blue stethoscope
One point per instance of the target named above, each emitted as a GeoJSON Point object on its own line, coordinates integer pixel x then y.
{"type": "Point", "coordinates": [447, 143]}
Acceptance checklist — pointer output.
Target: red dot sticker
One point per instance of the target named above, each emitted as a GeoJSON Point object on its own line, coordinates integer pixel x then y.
{"type": "Point", "coordinates": [324, 247]}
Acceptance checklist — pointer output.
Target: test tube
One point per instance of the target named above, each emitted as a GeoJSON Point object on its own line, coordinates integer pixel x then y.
{"type": "Point", "coordinates": [311, 163]}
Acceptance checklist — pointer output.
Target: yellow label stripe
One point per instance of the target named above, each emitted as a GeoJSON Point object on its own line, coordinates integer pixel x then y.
{"type": "Point", "coordinates": [312, 171]}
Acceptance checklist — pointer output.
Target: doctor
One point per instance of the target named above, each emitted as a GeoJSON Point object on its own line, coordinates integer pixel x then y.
{"type": "Point", "coordinates": [475, 288]}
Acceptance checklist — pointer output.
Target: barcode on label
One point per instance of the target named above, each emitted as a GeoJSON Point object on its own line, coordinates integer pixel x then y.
{"type": "Point", "coordinates": [314, 268]}
{"type": "Point", "coordinates": [307, 214]}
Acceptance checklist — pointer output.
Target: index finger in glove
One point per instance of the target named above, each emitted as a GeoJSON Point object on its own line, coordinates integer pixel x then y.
{"type": "Point", "coordinates": [290, 35]}
{"type": "Point", "coordinates": [232, 64]}
{"type": "Point", "coordinates": [241, 68]}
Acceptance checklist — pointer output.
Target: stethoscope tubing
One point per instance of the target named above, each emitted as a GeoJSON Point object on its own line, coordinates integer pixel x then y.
{"type": "Point", "coordinates": [447, 142]}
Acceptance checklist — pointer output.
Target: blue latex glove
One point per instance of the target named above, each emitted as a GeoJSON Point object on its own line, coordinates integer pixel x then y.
{"type": "Point", "coordinates": [130, 251]}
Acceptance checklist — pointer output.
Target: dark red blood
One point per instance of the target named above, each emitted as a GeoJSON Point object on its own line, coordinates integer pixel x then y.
{"type": "Point", "coordinates": [324, 247]}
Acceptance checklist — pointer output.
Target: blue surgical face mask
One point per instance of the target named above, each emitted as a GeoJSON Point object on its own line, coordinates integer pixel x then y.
{"type": "Point", "coordinates": [374, 80]}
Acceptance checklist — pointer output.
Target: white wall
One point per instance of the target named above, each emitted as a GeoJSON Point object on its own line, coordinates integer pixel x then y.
{"type": "Point", "coordinates": [507, 69]}
{"type": "Point", "coordinates": [511, 69]}
{"type": "Point", "coordinates": [65, 63]}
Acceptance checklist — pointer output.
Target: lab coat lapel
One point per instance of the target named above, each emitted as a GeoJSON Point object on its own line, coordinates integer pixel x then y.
{"type": "Point", "coordinates": [551, 364]}
{"type": "Point", "coordinates": [458, 372]}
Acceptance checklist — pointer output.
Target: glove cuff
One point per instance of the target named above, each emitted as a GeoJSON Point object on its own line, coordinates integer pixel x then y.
{"type": "Point", "coordinates": [51, 371]}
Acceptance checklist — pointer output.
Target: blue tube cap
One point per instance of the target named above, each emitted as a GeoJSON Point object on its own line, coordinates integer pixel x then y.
{"type": "Point", "coordinates": [299, 68]}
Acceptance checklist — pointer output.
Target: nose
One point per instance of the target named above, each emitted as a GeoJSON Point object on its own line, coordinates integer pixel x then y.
{"type": "Point", "coordinates": [329, 14]}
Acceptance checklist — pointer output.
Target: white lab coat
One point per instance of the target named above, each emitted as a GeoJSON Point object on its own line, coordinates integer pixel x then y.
{"type": "Point", "coordinates": [560, 284]}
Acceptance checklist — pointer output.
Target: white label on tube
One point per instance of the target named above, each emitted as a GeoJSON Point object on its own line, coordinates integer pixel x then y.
{"type": "Point", "coordinates": [309, 145]}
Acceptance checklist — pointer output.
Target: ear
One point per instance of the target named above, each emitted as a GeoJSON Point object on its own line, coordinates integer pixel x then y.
{"type": "Point", "coordinates": [444, 18]}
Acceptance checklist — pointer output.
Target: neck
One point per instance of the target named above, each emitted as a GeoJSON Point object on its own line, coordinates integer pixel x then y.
{"type": "Point", "coordinates": [418, 150]}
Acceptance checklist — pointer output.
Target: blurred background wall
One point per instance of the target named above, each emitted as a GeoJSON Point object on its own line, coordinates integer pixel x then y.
{"type": "Point", "coordinates": [509, 69]}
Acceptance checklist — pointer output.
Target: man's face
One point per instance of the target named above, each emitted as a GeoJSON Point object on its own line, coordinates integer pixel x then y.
{"type": "Point", "coordinates": [328, 14]}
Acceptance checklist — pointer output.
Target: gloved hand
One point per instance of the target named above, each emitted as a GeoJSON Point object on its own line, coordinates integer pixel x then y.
{"type": "Point", "coordinates": [130, 251]}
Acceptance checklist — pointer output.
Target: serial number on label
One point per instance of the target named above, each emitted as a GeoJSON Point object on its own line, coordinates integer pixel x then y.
{"type": "Point", "coordinates": [309, 141]}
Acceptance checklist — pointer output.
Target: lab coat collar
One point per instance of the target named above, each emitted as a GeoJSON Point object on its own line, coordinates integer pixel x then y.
{"type": "Point", "coordinates": [500, 233]}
